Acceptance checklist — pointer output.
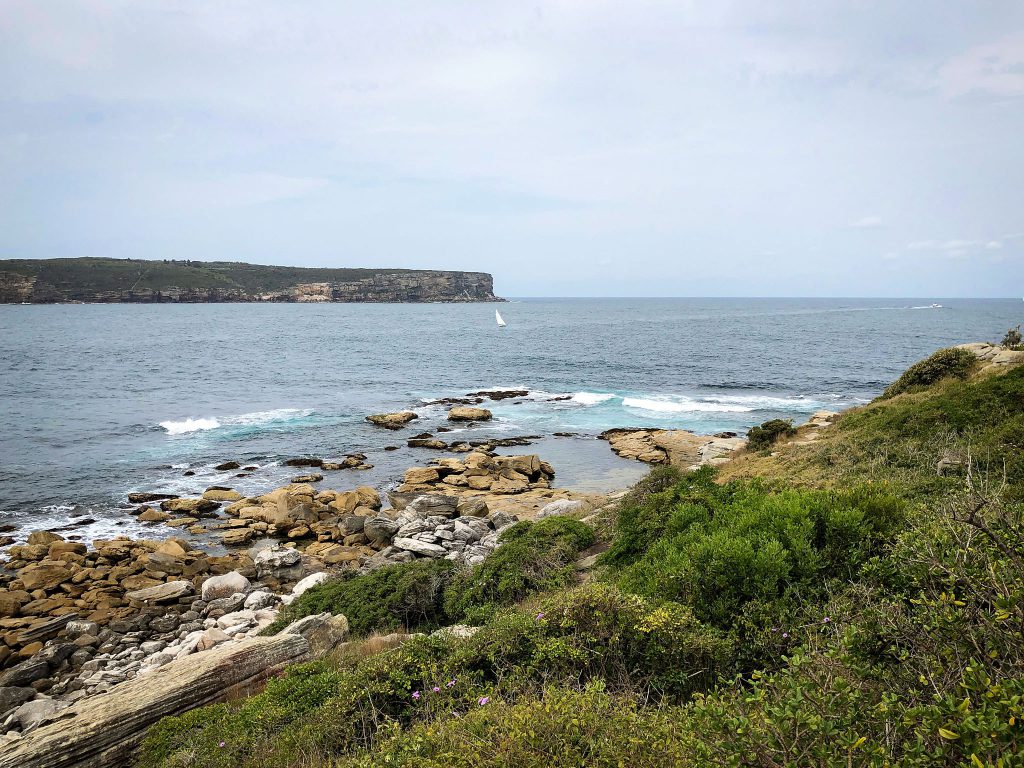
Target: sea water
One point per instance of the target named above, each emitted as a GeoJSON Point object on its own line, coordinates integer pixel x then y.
{"type": "Point", "coordinates": [100, 400]}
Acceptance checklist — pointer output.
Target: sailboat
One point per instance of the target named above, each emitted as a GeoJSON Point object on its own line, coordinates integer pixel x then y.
{"type": "Point", "coordinates": [498, 317]}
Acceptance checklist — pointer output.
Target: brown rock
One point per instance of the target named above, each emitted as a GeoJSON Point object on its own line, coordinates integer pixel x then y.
{"type": "Point", "coordinates": [43, 537]}
{"type": "Point", "coordinates": [421, 475]}
{"type": "Point", "coordinates": [220, 494]}
{"type": "Point", "coordinates": [469, 413]}
{"type": "Point", "coordinates": [44, 575]}
{"type": "Point", "coordinates": [189, 506]}
{"type": "Point", "coordinates": [392, 420]}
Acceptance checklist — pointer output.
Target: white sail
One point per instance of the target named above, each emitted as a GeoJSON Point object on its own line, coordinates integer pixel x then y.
{"type": "Point", "coordinates": [497, 316]}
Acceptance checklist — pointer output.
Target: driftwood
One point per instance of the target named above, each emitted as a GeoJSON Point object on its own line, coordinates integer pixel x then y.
{"type": "Point", "coordinates": [102, 731]}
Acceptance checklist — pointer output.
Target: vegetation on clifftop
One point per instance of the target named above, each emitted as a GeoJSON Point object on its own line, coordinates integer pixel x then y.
{"type": "Point", "coordinates": [854, 601]}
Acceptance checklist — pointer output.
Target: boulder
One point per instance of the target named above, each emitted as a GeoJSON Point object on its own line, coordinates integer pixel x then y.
{"type": "Point", "coordinates": [150, 515]}
{"type": "Point", "coordinates": [145, 498]}
{"type": "Point", "coordinates": [503, 520]}
{"type": "Point", "coordinates": [419, 547]}
{"type": "Point", "coordinates": [472, 506]}
{"type": "Point", "coordinates": [211, 637]}
{"type": "Point", "coordinates": [323, 632]}
{"type": "Point", "coordinates": [469, 413]}
{"type": "Point", "coordinates": [562, 507]}
{"type": "Point", "coordinates": [433, 504]}
{"type": "Point", "coordinates": [312, 477]}
{"type": "Point", "coordinates": [31, 713]}
{"type": "Point", "coordinates": [276, 561]}
{"type": "Point", "coordinates": [380, 528]}
{"type": "Point", "coordinates": [44, 575]}
{"type": "Point", "coordinates": [169, 592]}
{"type": "Point", "coordinates": [25, 673]}
{"type": "Point", "coordinates": [259, 600]}
{"type": "Point", "coordinates": [221, 494]}
{"type": "Point", "coordinates": [12, 696]}
{"type": "Point", "coordinates": [227, 465]}
{"type": "Point", "coordinates": [392, 420]}
{"type": "Point", "coordinates": [421, 475]}
{"type": "Point", "coordinates": [189, 506]}
{"type": "Point", "coordinates": [310, 581]}
{"type": "Point", "coordinates": [224, 586]}
{"type": "Point", "coordinates": [43, 537]}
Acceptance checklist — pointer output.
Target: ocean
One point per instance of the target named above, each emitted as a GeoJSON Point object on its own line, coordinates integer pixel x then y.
{"type": "Point", "coordinates": [101, 400]}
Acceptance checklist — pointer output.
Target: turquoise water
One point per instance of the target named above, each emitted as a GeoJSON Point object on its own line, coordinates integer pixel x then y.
{"type": "Point", "coordinates": [99, 400]}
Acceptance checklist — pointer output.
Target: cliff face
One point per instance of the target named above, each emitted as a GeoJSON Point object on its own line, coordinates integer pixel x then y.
{"type": "Point", "coordinates": [132, 281]}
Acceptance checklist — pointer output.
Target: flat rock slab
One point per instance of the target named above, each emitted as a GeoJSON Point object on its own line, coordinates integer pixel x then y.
{"type": "Point", "coordinates": [102, 731]}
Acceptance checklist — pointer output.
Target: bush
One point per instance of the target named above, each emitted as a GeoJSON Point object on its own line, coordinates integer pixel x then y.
{"type": "Point", "coordinates": [561, 729]}
{"type": "Point", "coordinates": [405, 595]}
{"type": "Point", "coordinates": [533, 557]}
{"type": "Point", "coordinates": [644, 513]}
{"type": "Point", "coordinates": [1013, 339]}
{"type": "Point", "coordinates": [744, 542]}
{"type": "Point", "coordinates": [944, 364]}
{"type": "Point", "coordinates": [592, 635]}
{"type": "Point", "coordinates": [766, 435]}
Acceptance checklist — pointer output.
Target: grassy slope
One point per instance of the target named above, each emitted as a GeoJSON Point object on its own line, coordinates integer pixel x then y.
{"type": "Point", "coordinates": [78, 277]}
{"type": "Point", "coordinates": [900, 441]}
{"type": "Point", "coordinates": [838, 604]}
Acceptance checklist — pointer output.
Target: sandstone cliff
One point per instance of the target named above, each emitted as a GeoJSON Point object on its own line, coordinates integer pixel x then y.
{"type": "Point", "coordinates": [46, 281]}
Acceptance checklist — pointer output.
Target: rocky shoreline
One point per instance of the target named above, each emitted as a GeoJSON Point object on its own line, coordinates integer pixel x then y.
{"type": "Point", "coordinates": [82, 621]}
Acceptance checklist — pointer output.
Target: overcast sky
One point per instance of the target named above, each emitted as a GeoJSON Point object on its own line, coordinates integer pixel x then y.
{"type": "Point", "coordinates": [576, 147]}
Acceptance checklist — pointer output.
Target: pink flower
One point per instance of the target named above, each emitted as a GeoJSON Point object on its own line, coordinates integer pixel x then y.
{"type": "Point", "coordinates": [785, 634]}
{"type": "Point", "coordinates": [483, 700]}
{"type": "Point", "coordinates": [827, 620]}
{"type": "Point", "coordinates": [540, 616]}
{"type": "Point", "coordinates": [222, 744]}
{"type": "Point", "coordinates": [415, 694]}
{"type": "Point", "coordinates": [450, 684]}
{"type": "Point", "coordinates": [436, 689]}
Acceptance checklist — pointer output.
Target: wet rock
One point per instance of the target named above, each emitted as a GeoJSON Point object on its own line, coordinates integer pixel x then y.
{"type": "Point", "coordinates": [189, 506]}
{"type": "Point", "coordinates": [313, 477]}
{"type": "Point", "coordinates": [304, 461]}
{"type": "Point", "coordinates": [144, 498]}
{"type": "Point", "coordinates": [392, 420]}
{"type": "Point", "coordinates": [468, 413]}
{"type": "Point", "coordinates": [227, 466]}
{"type": "Point", "coordinates": [221, 494]}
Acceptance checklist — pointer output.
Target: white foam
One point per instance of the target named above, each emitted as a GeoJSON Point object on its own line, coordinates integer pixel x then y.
{"type": "Point", "coordinates": [189, 425]}
{"type": "Point", "coordinates": [242, 420]}
{"type": "Point", "coordinates": [266, 417]}
{"type": "Point", "coordinates": [682, 406]}
{"type": "Point", "coordinates": [591, 398]}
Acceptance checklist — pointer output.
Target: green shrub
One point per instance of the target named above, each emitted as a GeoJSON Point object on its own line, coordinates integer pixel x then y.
{"type": "Point", "coordinates": [405, 595]}
{"type": "Point", "coordinates": [644, 513]}
{"type": "Point", "coordinates": [533, 557]}
{"type": "Point", "coordinates": [561, 729]}
{"type": "Point", "coordinates": [1013, 339]}
{"type": "Point", "coordinates": [946, 363]}
{"type": "Point", "coordinates": [766, 435]}
{"type": "Point", "coordinates": [744, 542]}
{"type": "Point", "coordinates": [588, 635]}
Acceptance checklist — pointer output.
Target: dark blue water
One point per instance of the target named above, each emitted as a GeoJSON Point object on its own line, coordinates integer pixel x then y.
{"type": "Point", "coordinates": [98, 400]}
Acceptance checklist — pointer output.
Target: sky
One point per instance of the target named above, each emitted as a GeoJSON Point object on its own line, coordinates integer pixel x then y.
{"type": "Point", "coordinates": [570, 148]}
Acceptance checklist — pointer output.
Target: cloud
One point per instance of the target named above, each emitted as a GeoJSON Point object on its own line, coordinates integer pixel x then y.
{"type": "Point", "coordinates": [958, 248]}
{"type": "Point", "coordinates": [995, 68]}
{"type": "Point", "coordinates": [868, 222]}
